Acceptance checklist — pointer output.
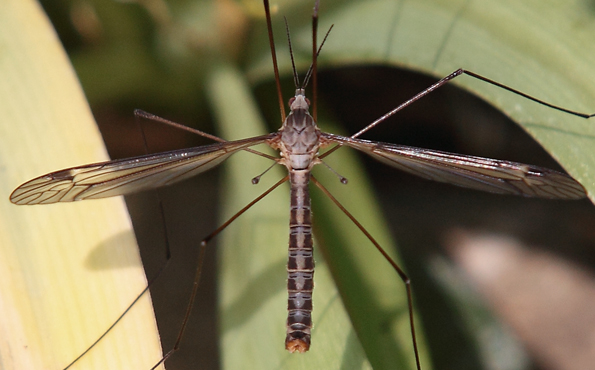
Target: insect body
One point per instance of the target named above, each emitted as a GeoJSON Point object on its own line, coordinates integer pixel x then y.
{"type": "Point", "coordinates": [299, 141]}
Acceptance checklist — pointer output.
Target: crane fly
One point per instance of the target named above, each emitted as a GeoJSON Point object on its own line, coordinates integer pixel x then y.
{"type": "Point", "coordinates": [302, 145]}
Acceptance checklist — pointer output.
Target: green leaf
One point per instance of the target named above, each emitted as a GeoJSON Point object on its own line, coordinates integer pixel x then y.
{"type": "Point", "coordinates": [63, 266]}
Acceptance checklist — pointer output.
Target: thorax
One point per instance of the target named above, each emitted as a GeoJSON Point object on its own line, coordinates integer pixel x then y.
{"type": "Point", "coordinates": [299, 138]}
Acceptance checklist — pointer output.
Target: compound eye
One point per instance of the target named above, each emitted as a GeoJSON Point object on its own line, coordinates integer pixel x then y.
{"type": "Point", "coordinates": [307, 101]}
{"type": "Point", "coordinates": [291, 101]}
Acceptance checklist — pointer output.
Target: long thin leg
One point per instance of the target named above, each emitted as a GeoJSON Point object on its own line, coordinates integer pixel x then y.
{"type": "Point", "coordinates": [142, 114]}
{"type": "Point", "coordinates": [314, 61]}
{"type": "Point", "coordinates": [152, 117]}
{"type": "Point", "coordinates": [201, 254]}
{"type": "Point", "coordinates": [443, 82]}
{"type": "Point", "coordinates": [150, 282]}
{"type": "Point", "coordinates": [396, 267]}
{"type": "Point", "coordinates": [267, 12]}
{"type": "Point", "coordinates": [454, 75]}
{"type": "Point", "coordinates": [309, 73]}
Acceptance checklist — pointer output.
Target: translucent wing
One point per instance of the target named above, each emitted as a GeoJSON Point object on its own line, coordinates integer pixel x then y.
{"type": "Point", "coordinates": [126, 176]}
{"type": "Point", "coordinates": [491, 175]}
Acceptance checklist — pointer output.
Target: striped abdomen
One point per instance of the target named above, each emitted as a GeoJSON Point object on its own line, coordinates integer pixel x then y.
{"type": "Point", "coordinates": [300, 266]}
